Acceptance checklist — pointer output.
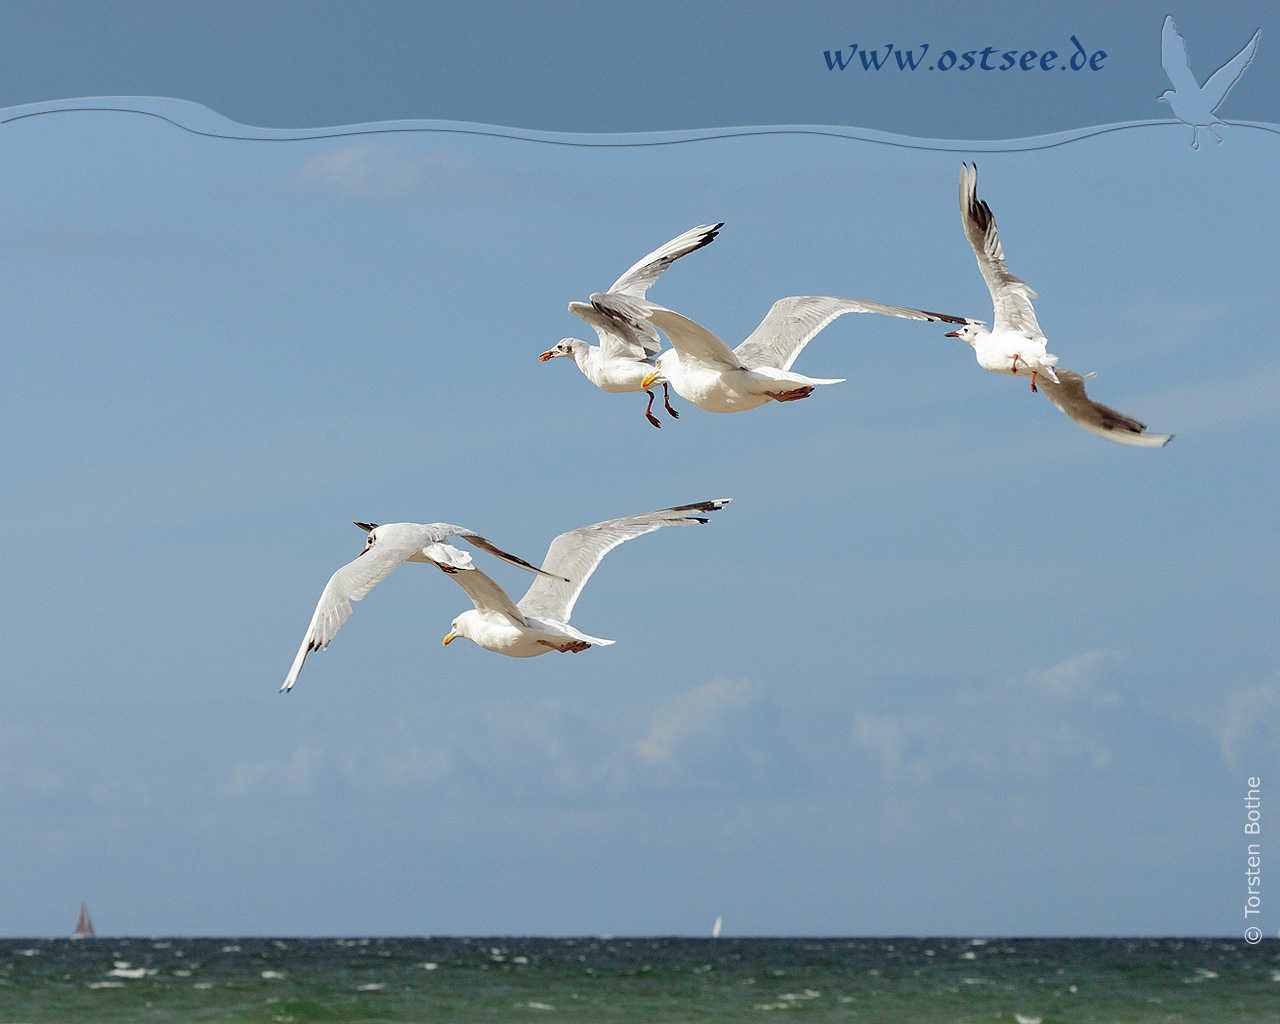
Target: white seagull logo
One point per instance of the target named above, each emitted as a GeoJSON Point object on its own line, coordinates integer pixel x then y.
{"type": "Point", "coordinates": [1191, 102]}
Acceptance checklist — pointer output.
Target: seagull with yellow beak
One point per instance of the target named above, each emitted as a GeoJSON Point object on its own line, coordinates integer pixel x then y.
{"type": "Point", "coordinates": [539, 622]}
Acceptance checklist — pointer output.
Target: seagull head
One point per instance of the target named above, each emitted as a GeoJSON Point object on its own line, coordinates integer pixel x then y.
{"type": "Point", "coordinates": [655, 376]}
{"type": "Point", "coordinates": [969, 332]}
{"type": "Point", "coordinates": [563, 347]}
{"type": "Point", "coordinates": [460, 627]}
{"type": "Point", "coordinates": [372, 530]}
{"type": "Point", "coordinates": [1164, 96]}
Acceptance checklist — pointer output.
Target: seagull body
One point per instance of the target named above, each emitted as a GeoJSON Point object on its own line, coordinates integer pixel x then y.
{"type": "Point", "coordinates": [385, 548]}
{"type": "Point", "coordinates": [1016, 345]}
{"type": "Point", "coordinates": [1191, 102]}
{"type": "Point", "coordinates": [714, 377]}
{"type": "Point", "coordinates": [539, 622]}
{"type": "Point", "coordinates": [626, 353]}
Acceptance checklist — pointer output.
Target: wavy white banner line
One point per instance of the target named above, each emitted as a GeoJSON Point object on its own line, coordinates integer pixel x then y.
{"type": "Point", "coordinates": [201, 120]}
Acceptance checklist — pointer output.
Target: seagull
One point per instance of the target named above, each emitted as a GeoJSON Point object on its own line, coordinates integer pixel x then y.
{"type": "Point", "coordinates": [1191, 102]}
{"type": "Point", "coordinates": [1016, 345]}
{"type": "Point", "coordinates": [626, 352]}
{"type": "Point", "coordinates": [539, 622]}
{"type": "Point", "coordinates": [384, 549]}
{"type": "Point", "coordinates": [706, 372]}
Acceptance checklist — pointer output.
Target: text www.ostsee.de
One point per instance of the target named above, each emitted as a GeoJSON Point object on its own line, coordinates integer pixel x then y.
{"type": "Point", "coordinates": [989, 58]}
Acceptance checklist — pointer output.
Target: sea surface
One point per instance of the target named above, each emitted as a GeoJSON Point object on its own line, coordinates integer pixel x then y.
{"type": "Point", "coordinates": [290, 981]}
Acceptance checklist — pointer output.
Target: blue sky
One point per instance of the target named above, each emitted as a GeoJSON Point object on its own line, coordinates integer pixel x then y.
{"type": "Point", "coordinates": [947, 665]}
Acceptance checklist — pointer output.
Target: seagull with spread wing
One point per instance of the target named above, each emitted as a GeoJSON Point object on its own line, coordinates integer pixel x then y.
{"type": "Point", "coordinates": [1016, 345]}
{"type": "Point", "coordinates": [539, 622]}
{"type": "Point", "coordinates": [711, 375]}
{"type": "Point", "coordinates": [385, 548]}
{"type": "Point", "coordinates": [1191, 102]}
{"type": "Point", "coordinates": [625, 355]}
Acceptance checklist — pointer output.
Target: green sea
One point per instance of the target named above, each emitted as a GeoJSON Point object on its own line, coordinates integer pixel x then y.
{"type": "Point", "coordinates": [291, 981]}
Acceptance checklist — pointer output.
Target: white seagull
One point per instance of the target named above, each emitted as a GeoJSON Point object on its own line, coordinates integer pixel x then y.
{"type": "Point", "coordinates": [1016, 345]}
{"type": "Point", "coordinates": [1191, 102]}
{"type": "Point", "coordinates": [539, 622]}
{"type": "Point", "coordinates": [384, 549]}
{"type": "Point", "coordinates": [626, 352]}
{"type": "Point", "coordinates": [714, 377]}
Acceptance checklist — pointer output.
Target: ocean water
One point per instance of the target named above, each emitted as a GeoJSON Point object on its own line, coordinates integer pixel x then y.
{"type": "Point", "coordinates": [292, 981]}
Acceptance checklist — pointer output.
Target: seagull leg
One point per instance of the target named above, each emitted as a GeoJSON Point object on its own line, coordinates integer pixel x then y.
{"type": "Point", "coordinates": [792, 396]}
{"type": "Point", "coordinates": [1033, 381]}
{"type": "Point", "coordinates": [1015, 365]}
{"type": "Point", "coordinates": [666, 400]}
{"type": "Point", "coordinates": [648, 414]}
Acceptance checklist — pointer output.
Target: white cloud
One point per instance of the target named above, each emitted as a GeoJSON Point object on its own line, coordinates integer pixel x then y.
{"type": "Point", "coordinates": [298, 773]}
{"type": "Point", "coordinates": [1249, 730]}
{"type": "Point", "coordinates": [690, 713]}
{"type": "Point", "coordinates": [387, 173]}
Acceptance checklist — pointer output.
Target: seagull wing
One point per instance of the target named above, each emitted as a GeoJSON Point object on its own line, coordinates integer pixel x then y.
{"type": "Point", "coordinates": [1220, 82]}
{"type": "Point", "coordinates": [1069, 395]}
{"type": "Point", "coordinates": [350, 583]}
{"type": "Point", "coordinates": [485, 594]}
{"type": "Point", "coordinates": [1173, 56]}
{"type": "Point", "coordinates": [577, 553]}
{"type": "Point", "coordinates": [485, 544]}
{"type": "Point", "coordinates": [619, 338]}
{"type": "Point", "coordinates": [693, 341]}
{"type": "Point", "coordinates": [792, 322]}
{"type": "Point", "coordinates": [636, 281]}
{"type": "Point", "coordinates": [1009, 293]}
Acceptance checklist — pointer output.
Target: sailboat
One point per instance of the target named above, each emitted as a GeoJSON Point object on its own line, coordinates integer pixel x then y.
{"type": "Point", "coordinates": [715, 929]}
{"type": "Point", "coordinates": [84, 927]}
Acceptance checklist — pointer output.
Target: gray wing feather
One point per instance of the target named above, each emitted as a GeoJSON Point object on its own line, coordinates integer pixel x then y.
{"type": "Point", "coordinates": [1069, 395]}
{"type": "Point", "coordinates": [636, 281]}
{"type": "Point", "coordinates": [619, 337]}
{"type": "Point", "coordinates": [792, 322]}
{"type": "Point", "coordinates": [577, 553]}
{"type": "Point", "coordinates": [487, 545]}
{"type": "Point", "coordinates": [485, 594]}
{"type": "Point", "coordinates": [1009, 293]}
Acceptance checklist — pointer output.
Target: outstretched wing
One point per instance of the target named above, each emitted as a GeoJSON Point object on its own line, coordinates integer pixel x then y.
{"type": "Point", "coordinates": [1173, 56]}
{"type": "Point", "coordinates": [350, 583]}
{"type": "Point", "coordinates": [1069, 395]}
{"type": "Point", "coordinates": [485, 594]}
{"type": "Point", "coordinates": [1009, 293]}
{"type": "Point", "coordinates": [1220, 82]}
{"type": "Point", "coordinates": [577, 553]}
{"type": "Point", "coordinates": [636, 281]}
{"type": "Point", "coordinates": [793, 321]}
{"type": "Point", "coordinates": [619, 338]}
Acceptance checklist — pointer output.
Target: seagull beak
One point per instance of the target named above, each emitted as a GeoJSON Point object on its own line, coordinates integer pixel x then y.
{"type": "Point", "coordinates": [450, 638]}
{"type": "Point", "coordinates": [952, 334]}
{"type": "Point", "coordinates": [649, 380]}
{"type": "Point", "coordinates": [548, 354]}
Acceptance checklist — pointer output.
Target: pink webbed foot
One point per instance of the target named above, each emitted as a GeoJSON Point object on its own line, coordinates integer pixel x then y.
{"type": "Point", "coordinates": [793, 396]}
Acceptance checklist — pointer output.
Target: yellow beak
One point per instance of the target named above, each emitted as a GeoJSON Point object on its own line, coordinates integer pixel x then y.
{"type": "Point", "coordinates": [450, 638]}
{"type": "Point", "coordinates": [648, 381]}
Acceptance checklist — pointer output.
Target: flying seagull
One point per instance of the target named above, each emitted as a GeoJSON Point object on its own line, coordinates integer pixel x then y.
{"type": "Point", "coordinates": [539, 622]}
{"type": "Point", "coordinates": [1016, 345]}
{"type": "Point", "coordinates": [706, 372]}
{"type": "Point", "coordinates": [1191, 102]}
{"type": "Point", "coordinates": [625, 355]}
{"type": "Point", "coordinates": [384, 549]}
